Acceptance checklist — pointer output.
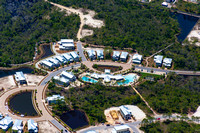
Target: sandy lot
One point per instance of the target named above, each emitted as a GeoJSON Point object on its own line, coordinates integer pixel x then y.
{"type": "Point", "coordinates": [86, 32]}
{"type": "Point", "coordinates": [47, 127]}
{"type": "Point", "coordinates": [32, 79]}
{"type": "Point", "coordinates": [136, 112]}
{"type": "Point", "coordinates": [196, 34]}
{"type": "Point", "coordinates": [7, 82]}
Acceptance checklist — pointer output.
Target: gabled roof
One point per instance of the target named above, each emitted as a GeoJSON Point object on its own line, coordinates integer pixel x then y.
{"type": "Point", "coordinates": [121, 127]}
{"type": "Point", "coordinates": [91, 52]}
{"type": "Point", "coordinates": [47, 63]}
{"type": "Point", "coordinates": [125, 110]}
{"type": "Point", "coordinates": [20, 76]}
{"type": "Point", "coordinates": [116, 53]}
{"type": "Point", "coordinates": [124, 55]}
{"type": "Point", "coordinates": [67, 74]}
{"type": "Point", "coordinates": [67, 41]}
{"type": "Point", "coordinates": [17, 125]}
{"type": "Point", "coordinates": [67, 56]}
{"type": "Point", "coordinates": [6, 120]}
{"type": "Point", "coordinates": [137, 57]}
{"type": "Point", "coordinates": [167, 60]}
{"type": "Point", "coordinates": [74, 54]}
{"type": "Point", "coordinates": [99, 52]}
{"type": "Point", "coordinates": [55, 97]}
{"type": "Point", "coordinates": [32, 125]}
{"type": "Point", "coordinates": [158, 58]}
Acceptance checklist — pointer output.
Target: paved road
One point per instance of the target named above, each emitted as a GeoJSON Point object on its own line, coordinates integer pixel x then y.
{"type": "Point", "coordinates": [105, 128]}
{"type": "Point", "coordinates": [80, 50]}
{"type": "Point", "coordinates": [180, 72]}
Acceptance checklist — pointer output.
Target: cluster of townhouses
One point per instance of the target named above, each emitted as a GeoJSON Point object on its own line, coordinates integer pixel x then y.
{"type": "Point", "coordinates": [122, 56]}
{"type": "Point", "coordinates": [98, 54]}
{"type": "Point", "coordinates": [158, 59]}
{"type": "Point", "coordinates": [65, 78]}
{"type": "Point", "coordinates": [7, 122]}
{"type": "Point", "coordinates": [58, 60]}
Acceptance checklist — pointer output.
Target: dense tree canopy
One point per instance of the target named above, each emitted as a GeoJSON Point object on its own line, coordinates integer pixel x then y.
{"type": "Point", "coordinates": [129, 23]}
{"type": "Point", "coordinates": [170, 127]}
{"type": "Point", "coordinates": [176, 94]}
{"type": "Point", "coordinates": [24, 22]}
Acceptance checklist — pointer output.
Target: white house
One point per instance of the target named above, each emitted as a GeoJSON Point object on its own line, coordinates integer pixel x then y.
{"type": "Point", "coordinates": [68, 75]}
{"type": "Point", "coordinates": [116, 55]}
{"type": "Point", "coordinates": [47, 64]}
{"type": "Point", "coordinates": [32, 126]}
{"type": "Point", "coordinates": [61, 59]}
{"type": "Point", "coordinates": [74, 56]}
{"type": "Point", "coordinates": [91, 54]}
{"type": "Point", "coordinates": [121, 129]}
{"type": "Point", "coordinates": [54, 61]}
{"type": "Point", "coordinates": [158, 60]}
{"type": "Point", "coordinates": [20, 78]}
{"type": "Point", "coordinates": [167, 62]}
{"type": "Point", "coordinates": [164, 4]}
{"type": "Point", "coordinates": [137, 58]}
{"type": "Point", "coordinates": [66, 44]}
{"type": "Point", "coordinates": [100, 54]}
{"type": "Point", "coordinates": [6, 123]}
{"type": "Point", "coordinates": [54, 98]}
{"type": "Point", "coordinates": [124, 56]}
{"type": "Point", "coordinates": [18, 126]}
{"type": "Point", "coordinates": [68, 57]}
{"type": "Point", "coordinates": [61, 80]}
{"type": "Point", "coordinates": [125, 112]}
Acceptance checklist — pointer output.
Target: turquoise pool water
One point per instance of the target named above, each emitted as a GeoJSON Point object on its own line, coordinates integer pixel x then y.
{"type": "Point", "coordinates": [86, 79]}
{"type": "Point", "coordinates": [128, 79]}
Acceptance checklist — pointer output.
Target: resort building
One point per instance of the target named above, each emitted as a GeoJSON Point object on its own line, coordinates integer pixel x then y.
{"type": "Point", "coordinates": [137, 58]}
{"type": "Point", "coordinates": [6, 123]}
{"type": "Point", "coordinates": [107, 78]}
{"type": "Point", "coordinates": [158, 60]}
{"type": "Point", "coordinates": [95, 76]}
{"type": "Point", "coordinates": [107, 71]}
{"type": "Point", "coordinates": [32, 126]}
{"type": "Point", "coordinates": [61, 80]}
{"type": "Point", "coordinates": [116, 55]}
{"type": "Point", "coordinates": [91, 54]}
{"type": "Point", "coordinates": [121, 129]}
{"type": "Point", "coordinates": [20, 78]}
{"type": "Point", "coordinates": [125, 112]}
{"type": "Point", "coordinates": [46, 64]}
{"type": "Point", "coordinates": [68, 57]}
{"type": "Point", "coordinates": [68, 75]}
{"type": "Point", "coordinates": [1, 116]}
{"type": "Point", "coordinates": [54, 98]}
{"type": "Point", "coordinates": [54, 61]}
{"type": "Point", "coordinates": [66, 44]}
{"type": "Point", "coordinates": [100, 54]}
{"type": "Point", "coordinates": [92, 131]}
{"type": "Point", "coordinates": [124, 56]}
{"type": "Point", "coordinates": [61, 59]}
{"type": "Point", "coordinates": [167, 62]}
{"type": "Point", "coordinates": [74, 56]}
{"type": "Point", "coordinates": [18, 126]}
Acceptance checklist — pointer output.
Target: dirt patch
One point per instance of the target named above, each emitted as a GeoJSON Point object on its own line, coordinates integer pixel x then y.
{"type": "Point", "coordinates": [103, 67]}
{"type": "Point", "coordinates": [86, 32]}
{"type": "Point", "coordinates": [47, 127]}
{"type": "Point", "coordinates": [7, 82]}
{"type": "Point", "coordinates": [32, 79]}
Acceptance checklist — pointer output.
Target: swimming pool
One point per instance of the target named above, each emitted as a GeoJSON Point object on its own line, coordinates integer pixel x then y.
{"type": "Point", "coordinates": [87, 79]}
{"type": "Point", "coordinates": [128, 79]}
